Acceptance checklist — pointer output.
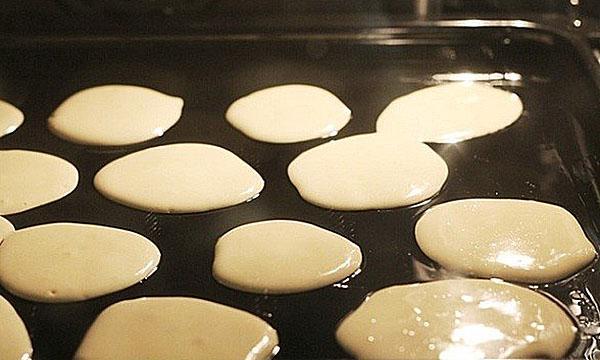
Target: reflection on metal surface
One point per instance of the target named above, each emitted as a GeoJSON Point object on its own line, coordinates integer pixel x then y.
{"type": "Point", "coordinates": [584, 308]}
{"type": "Point", "coordinates": [488, 23]}
{"type": "Point", "coordinates": [395, 42]}
{"type": "Point", "coordinates": [425, 273]}
{"type": "Point", "coordinates": [597, 55]}
{"type": "Point", "coordinates": [470, 76]}
{"type": "Point", "coordinates": [427, 8]}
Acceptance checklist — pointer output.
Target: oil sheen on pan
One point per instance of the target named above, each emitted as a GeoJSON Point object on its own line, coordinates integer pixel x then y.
{"type": "Point", "coordinates": [282, 257]}
{"type": "Point", "coordinates": [450, 113]}
{"type": "Point", "coordinates": [457, 319]}
{"type": "Point", "coordinates": [29, 179]}
{"type": "Point", "coordinates": [179, 178]}
{"type": "Point", "coordinates": [366, 172]}
{"type": "Point", "coordinates": [113, 115]}
{"type": "Point", "coordinates": [518, 240]}
{"type": "Point", "coordinates": [10, 118]}
{"type": "Point", "coordinates": [288, 114]}
{"type": "Point", "coordinates": [177, 328]}
{"type": "Point", "coordinates": [66, 262]}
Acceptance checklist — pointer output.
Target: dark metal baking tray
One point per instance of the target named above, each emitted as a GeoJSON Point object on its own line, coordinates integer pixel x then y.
{"type": "Point", "coordinates": [551, 154]}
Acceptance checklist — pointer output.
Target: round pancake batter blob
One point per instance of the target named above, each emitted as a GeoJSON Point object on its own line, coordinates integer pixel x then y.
{"type": "Point", "coordinates": [5, 228]}
{"type": "Point", "coordinates": [517, 240]}
{"type": "Point", "coordinates": [66, 262]}
{"type": "Point", "coordinates": [457, 319]}
{"type": "Point", "coordinates": [10, 118]}
{"type": "Point", "coordinates": [288, 114]}
{"type": "Point", "coordinates": [179, 178]}
{"type": "Point", "coordinates": [177, 328]}
{"type": "Point", "coordinates": [113, 115]}
{"type": "Point", "coordinates": [14, 339]}
{"type": "Point", "coordinates": [369, 171]}
{"type": "Point", "coordinates": [450, 113]}
{"type": "Point", "coordinates": [283, 257]}
{"type": "Point", "coordinates": [29, 179]}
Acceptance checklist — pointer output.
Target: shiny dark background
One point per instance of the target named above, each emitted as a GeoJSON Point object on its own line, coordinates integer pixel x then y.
{"type": "Point", "coordinates": [192, 16]}
{"type": "Point", "coordinates": [551, 154]}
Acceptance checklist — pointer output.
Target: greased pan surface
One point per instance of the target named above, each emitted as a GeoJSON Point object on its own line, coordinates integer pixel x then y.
{"type": "Point", "coordinates": [551, 154]}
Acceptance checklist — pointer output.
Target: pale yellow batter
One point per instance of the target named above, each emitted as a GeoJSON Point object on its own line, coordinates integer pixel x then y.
{"type": "Point", "coordinates": [177, 328]}
{"type": "Point", "coordinates": [289, 113]}
{"type": "Point", "coordinates": [450, 113]}
{"type": "Point", "coordinates": [115, 115]}
{"type": "Point", "coordinates": [517, 240]}
{"type": "Point", "coordinates": [457, 319]}
{"type": "Point", "coordinates": [179, 178]}
{"type": "Point", "coordinates": [5, 228]}
{"type": "Point", "coordinates": [369, 171]}
{"type": "Point", "coordinates": [10, 118]}
{"type": "Point", "coordinates": [283, 256]}
{"type": "Point", "coordinates": [64, 262]}
{"type": "Point", "coordinates": [14, 339]}
{"type": "Point", "coordinates": [29, 179]}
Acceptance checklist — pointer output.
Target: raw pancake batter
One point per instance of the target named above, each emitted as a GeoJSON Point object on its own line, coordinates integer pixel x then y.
{"type": "Point", "coordinates": [64, 262]}
{"type": "Point", "coordinates": [288, 113]}
{"type": "Point", "coordinates": [369, 171]}
{"type": "Point", "coordinates": [10, 118]}
{"type": "Point", "coordinates": [14, 339]}
{"type": "Point", "coordinates": [179, 178]}
{"type": "Point", "coordinates": [177, 328]}
{"type": "Point", "coordinates": [5, 228]}
{"type": "Point", "coordinates": [115, 115]}
{"type": "Point", "coordinates": [29, 179]}
{"type": "Point", "coordinates": [283, 256]}
{"type": "Point", "coordinates": [450, 113]}
{"type": "Point", "coordinates": [457, 319]}
{"type": "Point", "coordinates": [517, 240]}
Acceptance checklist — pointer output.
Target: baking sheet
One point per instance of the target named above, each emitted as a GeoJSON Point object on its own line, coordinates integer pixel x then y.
{"type": "Point", "coordinates": [551, 154]}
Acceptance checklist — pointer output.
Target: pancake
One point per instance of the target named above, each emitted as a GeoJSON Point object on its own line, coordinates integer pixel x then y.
{"type": "Point", "coordinates": [288, 114]}
{"type": "Point", "coordinates": [457, 319]}
{"type": "Point", "coordinates": [176, 328]}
